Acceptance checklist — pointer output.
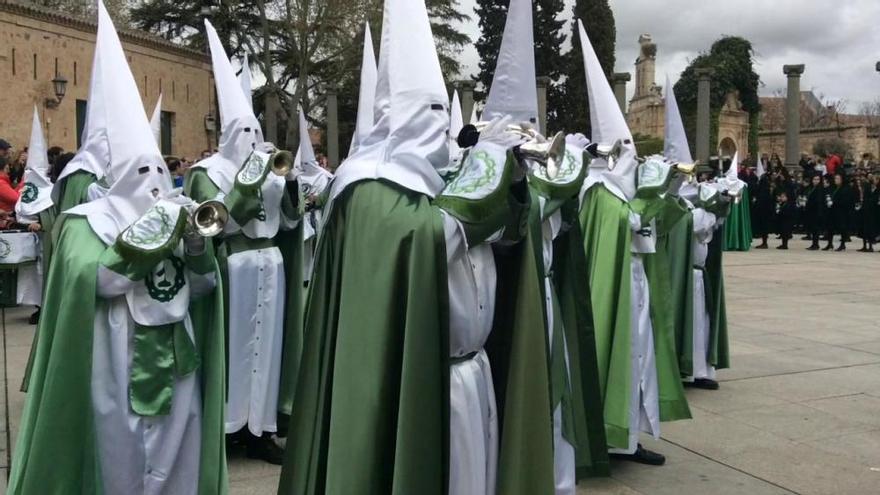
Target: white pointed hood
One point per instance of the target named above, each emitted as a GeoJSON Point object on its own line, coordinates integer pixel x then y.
{"type": "Point", "coordinates": [514, 90]}
{"type": "Point", "coordinates": [759, 165]}
{"type": "Point", "coordinates": [93, 154]}
{"type": "Point", "coordinates": [474, 117]}
{"type": "Point", "coordinates": [239, 129]}
{"type": "Point", "coordinates": [367, 96]}
{"type": "Point", "coordinates": [136, 169]}
{"type": "Point", "coordinates": [156, 121]}
{"type": "Point", "coordinates": [244, 79]}
{"type": "Point", "coordinates": [608, 127]}
{"type": "Point", "coordinates": [456, 122]}
{"type": "Point", "coordinates": [409, 141]}
{"type": "Point", "coordinates": [313, 177]}
{"type": "Point", "coordinates": [675, 147]}
{"type": "Point", "coordinates": [36, 195]}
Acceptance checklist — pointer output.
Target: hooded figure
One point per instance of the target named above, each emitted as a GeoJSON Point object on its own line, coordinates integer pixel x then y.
{"type": "Point", "coordinates": [130, 356]}
{"type": "Point", "coordinates": [156, 122]}
{"type": "Point", "coordinates": [34, 209]}
{"type": "Point", "coordinates": [738, 227]}
{"type": "Point", "coordinates": [576, 414]}
{"type": "Point", "coordinates": [260, 252]}
{"type": "Point", "coordinates": [637, 368]}
{"type": "Point", "coordinates": [314, 181]}
{"type": "Point", "coordinates": [394, 368]}
{"type": "Point", "coordinates": [367, 96]}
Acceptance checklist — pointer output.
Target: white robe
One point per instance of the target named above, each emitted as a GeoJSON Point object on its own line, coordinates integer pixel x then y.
{"type": "Point", "coordinates": [563, 452]}
{"type": "Point", "coordinates": [704, 224]}
{"type": "Point", "coordinates": [256, 319]}
{"type": "Point", "coordinates": [473, 417]}
{"type": "Point", "coordinates": [644, 402]}
{"type": "Point", "coordinates": [144, 455]}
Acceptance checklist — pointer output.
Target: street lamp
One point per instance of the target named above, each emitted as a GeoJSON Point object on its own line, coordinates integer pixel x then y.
{"type": "Point", "coordinates": [59, 84]}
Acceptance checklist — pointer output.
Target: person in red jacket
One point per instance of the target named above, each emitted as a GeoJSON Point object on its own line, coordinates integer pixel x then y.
{"type": "Point", "coordinates": [832, 161]}
{"type": "Point", "coordinates": [8, 193]}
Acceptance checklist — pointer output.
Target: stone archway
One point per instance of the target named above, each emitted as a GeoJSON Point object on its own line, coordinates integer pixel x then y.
{"type": "Point", "coordinates": [728, 147]}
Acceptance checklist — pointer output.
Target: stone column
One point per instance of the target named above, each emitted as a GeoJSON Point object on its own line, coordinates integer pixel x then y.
{"type": "Point", "coordinates": [332, 127]}
{"type": "Point", "coordinates": [704, 114]}
{"type": "Point", "coordinates": [793, 114]}
{"type": "Point", "coordinates": [544, 82]}
{"type": "Point", "coordinates": [466, 94]}
{"type": "Point", "coordinates": [619, 79]}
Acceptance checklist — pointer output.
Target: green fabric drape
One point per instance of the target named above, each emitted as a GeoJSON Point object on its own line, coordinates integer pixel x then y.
{"type": "Point", "coordinates": [719, 346]}
{"type": "Point", "coordinates": [604, 219]}
{"type": "Point", "coordinates": [372, 402]}
{"type": "Point", "coordinates": [47, 222]}
{"type": "Point", "coordinates": [738, 232]}
{"type": "Point", "coordinates": [571, 283]}
{"type": "Point", "coordinates": [679, 243]}
{"type": "Point", "coordinates": [73, 190]}
{"type": "Point", "coordinates": [56, 450]}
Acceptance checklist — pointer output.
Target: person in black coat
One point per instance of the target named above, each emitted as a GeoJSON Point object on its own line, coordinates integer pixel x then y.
{"type": "Point", "coordinates": [869, 210]}
{"type": "Point", "coordinates": [815, 211]}
{"type": "Point", "coordinates": [842, 206]}
{"type": "Point", "coordinates": [763, 208]}
{"type": "Point", "coordinates": [786, 216]}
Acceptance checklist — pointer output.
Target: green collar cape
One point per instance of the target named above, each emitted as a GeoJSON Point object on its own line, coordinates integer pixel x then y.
{"type": "Point", "coordinates": [56, 448]}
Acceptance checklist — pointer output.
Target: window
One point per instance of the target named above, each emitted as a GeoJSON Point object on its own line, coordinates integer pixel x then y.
{"type": "Point", "coordinates": [81, 107]}
{"type": "Point", "coordinates": [74, 73]}
{"type": "Point", "coordinates": [166, 125]}
{"type": "Point", "coordinates": [173, 90]}
{"type": "Point", "coordinates": [35, 67]}
{"type": "Point", "coordinates": [13, 61]}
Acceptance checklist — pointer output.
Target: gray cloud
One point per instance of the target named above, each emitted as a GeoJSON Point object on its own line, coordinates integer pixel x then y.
{"type": "Point", "coordinates": [838, 40]}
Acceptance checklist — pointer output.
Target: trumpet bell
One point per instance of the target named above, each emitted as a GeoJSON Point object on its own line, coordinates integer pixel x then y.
{"type": "Point", "coordinates": [210, 218]}
{"type": "Point", "coordinates": [686, 168]}
{"type": "Point", "coordinates": [281, 163]}
{"type": "Point", "coordinates": [550, 154]}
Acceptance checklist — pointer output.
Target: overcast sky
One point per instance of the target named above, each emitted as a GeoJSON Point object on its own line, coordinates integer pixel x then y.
{"type": "Point", "coordinates": [838, 40]}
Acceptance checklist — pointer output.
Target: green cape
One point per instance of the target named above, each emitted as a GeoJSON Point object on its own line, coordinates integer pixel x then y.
{"type": "Point", "coordinates": [372, 413]}
{"type": "Point", "coordinates": [604, 220]}
{"type": "Point", "coordinates": [665, 306]}
{"type": "Point", "coordinates": [573, 293]}
{"type": "Point", "coordinates": [199, 186]}
{"type": "Point", "coordinates": [719, 347]}
{"type": "Point", "coordinates": [56, 451]}
{"type": "Point", "coordinates": [678, 245]}
{"type": "Point", "coordinates": [47, 222]}
{"type": "Point", "coordinates": [73, 190]}
{"type": "Point", "coordinates": [738, 231]}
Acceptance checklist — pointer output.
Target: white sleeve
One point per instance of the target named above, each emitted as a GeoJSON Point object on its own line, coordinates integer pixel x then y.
{"type": "Point", "coordinates": [456, 241]}
{"type": "Point", "coordinates": [112, 284]}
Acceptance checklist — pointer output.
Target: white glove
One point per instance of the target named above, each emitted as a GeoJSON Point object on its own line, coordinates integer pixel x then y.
{"type": "Point", "coordinates": [266, 147]}
{"type": "Point", "coordinates": [496, 133]}
{"type": "Point", "coordinates": [578, 140]}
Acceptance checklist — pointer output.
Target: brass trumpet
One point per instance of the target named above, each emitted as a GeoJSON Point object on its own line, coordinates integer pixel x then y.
{"type": "Point", "coordinates": [207, 219]}
{"type": "Point", "coordinates": [281, 162]}
{"type": "Point", "coordinates": [547, 153]}
{"type": "Point", "coordinates": [610, 153]}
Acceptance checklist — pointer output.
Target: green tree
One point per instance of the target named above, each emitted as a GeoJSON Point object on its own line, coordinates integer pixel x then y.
{"type": "Point", "coordinates": [549, 59]}
{"type": "Point", "coordinates": [731, 60]}
{"type": "Point", "coordinates": [445, 16]}
{"type": "Point", "coordinates": [573, 108]}
{"type": "Point", "coordinates": [492, 15]}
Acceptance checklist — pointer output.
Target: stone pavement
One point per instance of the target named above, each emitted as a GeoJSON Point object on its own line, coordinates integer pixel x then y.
{"type": "Point", "coordinates": [799, 413]}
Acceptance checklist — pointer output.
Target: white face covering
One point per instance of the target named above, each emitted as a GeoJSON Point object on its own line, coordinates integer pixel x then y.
{"type": "Point", "coordinates": [239, 138]}
{"type": "Point", "coordinates": [421, 132]}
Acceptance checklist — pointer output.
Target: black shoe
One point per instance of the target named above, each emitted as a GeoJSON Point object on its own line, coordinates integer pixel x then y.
{"type": "Point", "coordinates": [34, 318]}
{"type": "Point", "coordinates": [642, 456]}
{"type": "Point", "coordinates": [806, 238]}
{"type": "Point", "coordinates": [862, 250]}
{"type": "Point", "coordinates": [702, 383]}
{"type": "Point", "coordinates": [814, 247]}
{"type": "Point", "coordinates": [828, 248]}
{"type": "Point", "coordinates": [265, 449]}
{"type": "Point", "coordinates": [761, 246]}
{"type": "Point", "coordinates": [782, 247]}
{"type": "Point", "coordinates": [841, 248]}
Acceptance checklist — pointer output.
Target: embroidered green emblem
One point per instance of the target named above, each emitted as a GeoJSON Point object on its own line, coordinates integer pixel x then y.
{"type": "Point", "coordinates": [145, 237]}
{"type": "Point", "coordinates": [5, 248]}
{"type": "Point", "coordinates": [481, 171]}
{"type": "Point", "coordinates": [29, 193]}
{"type": "Point", "coordinates": [253, 170]}
{"type": "Point", "coordinates": [166, 280]}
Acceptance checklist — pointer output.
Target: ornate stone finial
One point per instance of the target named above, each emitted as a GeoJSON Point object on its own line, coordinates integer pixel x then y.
{"type": "Point", "coordinates": [544, 81]}
{"type": "Point", "coordinates": [793, 70]}
{"type": "Point", "coordinates": [648, 49]}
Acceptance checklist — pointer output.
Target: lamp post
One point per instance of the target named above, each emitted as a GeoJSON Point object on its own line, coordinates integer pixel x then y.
{"type": "Point", "coordinates": [59, 85]}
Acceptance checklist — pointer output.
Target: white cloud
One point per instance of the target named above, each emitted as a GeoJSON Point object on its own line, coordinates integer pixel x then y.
{"type": "Point", "coordinates": [838, 40]}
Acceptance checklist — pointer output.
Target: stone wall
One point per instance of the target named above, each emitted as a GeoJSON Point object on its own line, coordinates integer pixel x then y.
{"type": "Point", "coordinates": [35, 45]}
{"type": "Point", "coordinates": [858, 138]}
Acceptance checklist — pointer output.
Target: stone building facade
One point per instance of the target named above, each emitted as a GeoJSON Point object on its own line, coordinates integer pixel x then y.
{"type": "Point", "coordinates": [36, 45]}
{"type": "Point", "coordinates": [647, 108]}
